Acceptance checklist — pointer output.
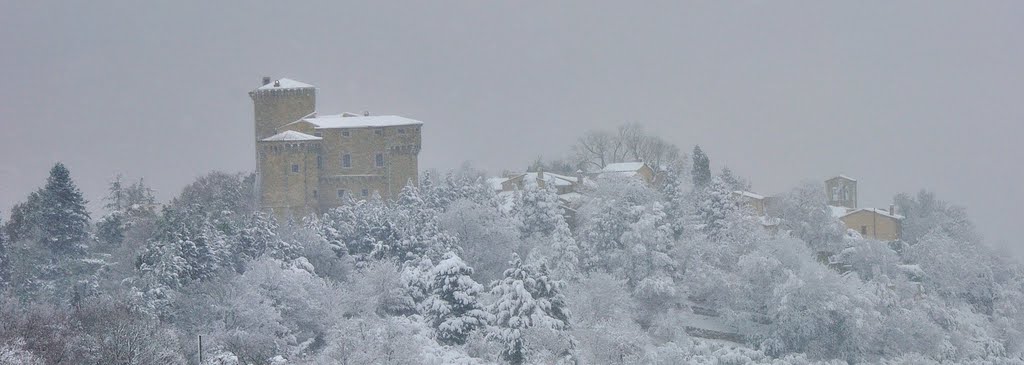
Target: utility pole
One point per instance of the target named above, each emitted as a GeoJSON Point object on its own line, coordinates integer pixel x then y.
{"type": "Point", "coordinates": [200, 349]}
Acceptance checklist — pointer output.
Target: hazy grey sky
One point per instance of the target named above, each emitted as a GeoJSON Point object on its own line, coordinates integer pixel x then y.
{"type": "Point", "coordinates": [903, 96]}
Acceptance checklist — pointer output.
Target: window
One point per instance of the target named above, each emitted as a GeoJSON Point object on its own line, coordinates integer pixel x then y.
{"type": "Point", "coordinates": [345, 133]}
{"type": "Point", "coordinates": [379, 131]}
{"type": "Point", "coordinates": [346, 161]}
{"type": "Point", "coordinates": [319, 162]}
{"type": "Point", "coordinates": [863, 230]}
{"type": "Point", "coordinates": [295, 168]}
{"type": "Point", "coordinates": [380, 160]}
{"type": "Point", "coordinates": [341, 193]}
{"type": "Point", "coordinates": [401, 130]}
{"type": "Point", "coordinates": [366, 192]}
{"type": "Point", "coordinates": [318, 134]}
{"type": "Point", "coordinates": [315, 195]}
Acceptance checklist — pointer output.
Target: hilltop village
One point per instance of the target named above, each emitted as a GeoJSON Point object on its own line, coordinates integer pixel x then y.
{"type": "Point", "coordinates": [309, 163]}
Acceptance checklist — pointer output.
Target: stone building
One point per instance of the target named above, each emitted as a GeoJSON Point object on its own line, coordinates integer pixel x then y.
{"type": "Point", "coordinates": [841, 191]}
{"type": "Point", "coordinates": [879, 224]}
{"type": "Point", "coordinates": [308, 163]}
{"type": "Point", "coordinates": [874, 223]}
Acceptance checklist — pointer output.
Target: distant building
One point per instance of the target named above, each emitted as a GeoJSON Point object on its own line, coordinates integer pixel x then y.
{"type": "Point", "coordinates": [873, 223]}
{"type": "Point", "coordinates": [754, 202]}
{"type": "Point", "coordinates": [308, 163]}
{"type": "Point", "coordinates": [879, 224]}
{"type": "Point", "coordinates": [841, 191]}
{"type": "Point", "coordinates": [629, 169]}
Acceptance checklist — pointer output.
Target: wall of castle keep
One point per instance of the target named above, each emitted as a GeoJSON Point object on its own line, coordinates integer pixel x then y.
{"type": "Point", "coordinates": [277, 107]}
{"type": "Point", "coordinates": [289, 177]}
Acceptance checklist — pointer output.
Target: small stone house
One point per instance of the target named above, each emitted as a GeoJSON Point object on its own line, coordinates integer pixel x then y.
{"type": "Point", "coordinates": [878, 224]}
{"type": "Point", "coordinates": [629, 169]}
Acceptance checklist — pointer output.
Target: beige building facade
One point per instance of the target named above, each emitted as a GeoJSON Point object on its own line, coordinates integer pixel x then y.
{"type": "Point", "coordinates": [874, 223]}
{"type": "Point", "coordinates": [309, 163]}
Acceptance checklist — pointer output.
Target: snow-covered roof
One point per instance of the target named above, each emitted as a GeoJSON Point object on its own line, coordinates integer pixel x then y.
{"type": "Point", "coordinates": [284, 83]}
{"type": "Point", "coordinates": [349, 120]}
{"type": "Point", "coordinates": [881, 212]}
{"type": "Point", "coordinates": [571, 197]}
{"type": "Point", "coordinates": [749, 194]}
{"type": "Point", "coordinates": [841, 176]}
{"type": "Point", "coordinates": [291, 136]}
{"type": "Point", "coordinates": [623, 167]}
{"type": "Point", "coordinates": [837, 212]}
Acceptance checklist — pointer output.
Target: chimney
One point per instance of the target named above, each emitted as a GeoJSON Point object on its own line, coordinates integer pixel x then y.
{"type": "Point", "coordinates": [266, 80]}
{"type": "Point", "coordinates": [277, 83]}
{"type": "Point", "coordinates": [892, 209]}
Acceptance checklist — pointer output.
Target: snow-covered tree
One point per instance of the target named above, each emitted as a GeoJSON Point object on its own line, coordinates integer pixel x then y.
{"type": "Point", "coordinates": [701, 168]}
{"type": "Point", "coordinates": [452, 306]}
{"type": "Point", "coordinates": [63, 219]}
{"type": "Point", "coordinates": [715, 205]}
{"type": "Point", "coordinates": [525, 299]}
{"type": "Point", "coordinates": [804, 213]}
{"type": "Point", "coordinates": [542, 225]}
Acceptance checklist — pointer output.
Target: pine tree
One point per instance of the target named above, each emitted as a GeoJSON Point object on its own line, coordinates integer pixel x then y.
{"type": "Point", "coordinates": [63, 218]}
{"type": "Point", "coordinates": [716, 204]}
{"type": "Point", "coordinates": [538, 213]}
{"type": "Point", "coordinates": [525, 299]}
{"type": "Point", "coordinates": [548, 293]}
{"type": "Point", "coordinates": [24, 222]}
{"type": "Point", "coordinates": [676, 206]}
{"type": "Point", "coordinates": [452, 305]}
{"type": "Point", "coordinates": [701, 168]}
{"type": "Point", "coordinates": [514, 311]}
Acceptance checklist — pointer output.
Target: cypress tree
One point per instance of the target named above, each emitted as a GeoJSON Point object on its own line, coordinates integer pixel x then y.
{"type": "Point", "coordinates": [63, 218]}
{"type": "Point", "coordinates": [701, 168]}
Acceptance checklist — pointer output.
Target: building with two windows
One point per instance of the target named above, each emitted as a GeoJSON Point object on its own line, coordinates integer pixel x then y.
{"type": "Point", "coordinates": [308, 163]}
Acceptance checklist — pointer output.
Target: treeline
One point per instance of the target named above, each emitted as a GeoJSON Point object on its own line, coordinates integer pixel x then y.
{"type": "Point", "coordinates": [452, 272]}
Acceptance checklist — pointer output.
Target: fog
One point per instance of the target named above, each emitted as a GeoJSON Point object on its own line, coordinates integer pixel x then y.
{"type": "Point", "coordinates": [901, 96]}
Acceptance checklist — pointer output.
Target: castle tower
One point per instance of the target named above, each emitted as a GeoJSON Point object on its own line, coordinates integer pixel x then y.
{"type": "Point", "coordinates": [841, 191]}
{"type": "Point", "coordinates": [289, 173]}
{"type": "Point", "coordinates": [281, 102]}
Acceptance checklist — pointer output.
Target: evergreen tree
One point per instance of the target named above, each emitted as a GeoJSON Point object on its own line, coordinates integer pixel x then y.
{"type": "Point", "coordinates": [514, 311]}
{"type": "Point", "coordinates": [676, 205]}
{"type": "Point", "coordinates": [452, 306]}
{"type": "Point", "coordinates": [701, 168]}
{"type": "Point", "coordinates": [716, 204]}
{"type": "Point", "coordinates": [525, 299]}
{"type": "Point", "coordinates": [548, 293]}
{"type": "Point", "coordinates": [24, 222]}
{"type": "Point", "coordinates": [63, 218]}
{"type": "Point", "coordinates": [539, 216]}
{"type": "Point", "coordinates": [732, 181]}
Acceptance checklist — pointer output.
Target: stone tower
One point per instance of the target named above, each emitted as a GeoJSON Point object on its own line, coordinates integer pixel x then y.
{"type": "Point", "coordinates": [281, 102]}
{"type": "Point", "coordinates": [841, 191]}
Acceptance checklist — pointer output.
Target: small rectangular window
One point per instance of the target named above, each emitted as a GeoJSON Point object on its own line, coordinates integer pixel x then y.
{"type": "Point", "coordinates": [295, 168]}
{"type": "Point", "coordinates": [401, 130]}
{"type": "Point", "coordinates": [318, 134]}
{"type": "Point", "coordinates": [863, 230]}
{"type": "Point", "coordinates": [319, 162]}
{"type": "Point", "coordinates": [315, 194]}
{"type": "Point", "coordinates": [380, 160]}
{"type": "Point", "coordinates": [366, 192]}
{"type": "Point", "coordinates": [346, 161]}
{"type": "Point", "coordinates": [341, 193]}
{"type": "Point", "coordinates": [378, 131]}
{"type": "Point", "coordinates": [345, 133]}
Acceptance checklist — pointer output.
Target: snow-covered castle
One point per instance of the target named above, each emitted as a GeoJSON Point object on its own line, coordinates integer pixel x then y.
{"type": "Point", "coordinates": [307, 163]}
